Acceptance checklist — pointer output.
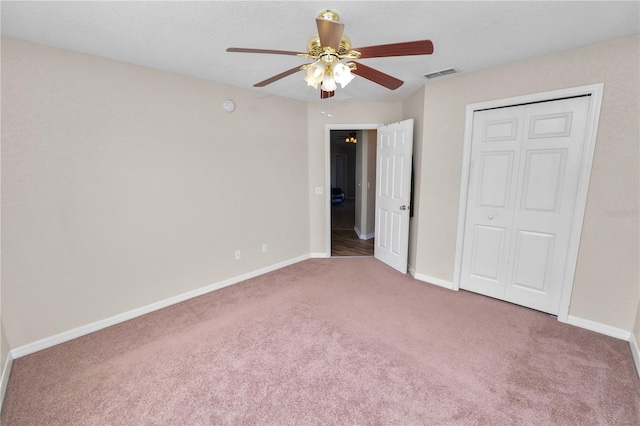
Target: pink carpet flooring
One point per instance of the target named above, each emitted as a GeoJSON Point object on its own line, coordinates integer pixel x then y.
{"type": "Point", "coordinates": [331, 341]}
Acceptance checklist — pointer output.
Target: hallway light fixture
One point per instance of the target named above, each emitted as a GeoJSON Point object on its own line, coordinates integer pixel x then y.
{"type": "Point", "coordinates": [351, 138]}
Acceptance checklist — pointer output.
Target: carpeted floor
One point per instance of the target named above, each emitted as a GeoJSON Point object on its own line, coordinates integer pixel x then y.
{"type": "Point", "coordinates": [331, 341]}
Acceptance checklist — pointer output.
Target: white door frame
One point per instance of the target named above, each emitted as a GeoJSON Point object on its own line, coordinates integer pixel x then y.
{"type": "Point", "coordinates": [327, 171]}
{"type": "Point", "coordinates": [595, 90]}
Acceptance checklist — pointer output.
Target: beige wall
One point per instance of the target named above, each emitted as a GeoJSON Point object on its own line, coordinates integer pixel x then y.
{"type": "Point", "coordinates": [636, 328]}
{"type": "Point", "coordinates": [370, 138]}
{"type": "Point", "coordinates": [365, 181]}
{"type": "Point", "coordinates": [340, 147]}
{"type": "Point", "coordinates": [4, 349]}
{"type": "Point", "coordinates": [361, 196]}
{"type": "Point", "coordinates": [413, 107]}
{"type": "Point", "coordinates": [636, 337]}
{"type": "Point", "coordinates": [359, 207]}
{"type": "Point", "coordinates": [123, 186]}
{"type": "Point", "coordinates": [607, 276]}
{"type": "Point", "coordinates": [342, 113]}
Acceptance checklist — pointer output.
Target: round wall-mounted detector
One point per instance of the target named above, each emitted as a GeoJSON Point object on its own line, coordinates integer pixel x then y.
{"type": "Point", "coordinates": [228, 105]}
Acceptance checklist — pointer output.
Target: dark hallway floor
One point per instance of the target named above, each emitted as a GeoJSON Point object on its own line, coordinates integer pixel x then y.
{"type": "Point", "coordinates": [344, 240]}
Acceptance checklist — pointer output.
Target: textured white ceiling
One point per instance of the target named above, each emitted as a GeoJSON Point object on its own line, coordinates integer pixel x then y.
{"type": "Point", "coordinates": [190, 37]}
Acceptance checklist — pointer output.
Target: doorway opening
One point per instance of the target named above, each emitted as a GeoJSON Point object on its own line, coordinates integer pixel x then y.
{"type": "Point", "coordinates": [352, 163]}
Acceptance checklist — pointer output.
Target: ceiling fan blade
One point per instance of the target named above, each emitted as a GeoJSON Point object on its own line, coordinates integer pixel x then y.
{"type": "Point", "coordinates": [273, 52]}
{"type": "Point", "coordinates": [330, 32]}
{"type": "Point", "coordinates": [376, 76]}
{"type": "Point", "coordinates": [277, 77]}
{"type": "Point", "coordinates": [408, 48]}
{"type": "Point", "coordinates": [325, 95]}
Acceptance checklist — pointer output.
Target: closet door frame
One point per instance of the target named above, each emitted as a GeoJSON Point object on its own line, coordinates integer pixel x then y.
{"type": "Point", "coordinates": [595, 93]}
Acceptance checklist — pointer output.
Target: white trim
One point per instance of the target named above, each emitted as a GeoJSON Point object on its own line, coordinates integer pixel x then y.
{"type": "Point", "coordinates": [464, 189]}
{"type": "Point", "coordinates": [6, 371]}
{"type": "Point", "coordinates": [364, 236]}
{"type": "Point", "coordinates": [430, 280]}
{"type": "Point", "coordinates": [327, 171]}
{"type": "Point", "coordinates": [99, 325]}
{"type": "Point", "coordinates": [320, 255]}
{"type": "Point", "coordinates": [595, 90]}
{"type": "Point", "coordinates": [635, 351]}
{"type": "Point", "coordinates": [598, 327]}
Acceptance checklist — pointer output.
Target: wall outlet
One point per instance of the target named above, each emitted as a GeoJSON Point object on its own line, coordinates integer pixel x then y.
{"type": "Point", "coordinates": [319, 190]}
{"type": "Point", "coordinates": [265, 248]}
{"type": "Point", "coordinates": [238, 255]}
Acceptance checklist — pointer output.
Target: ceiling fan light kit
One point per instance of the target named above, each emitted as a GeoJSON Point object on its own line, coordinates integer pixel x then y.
{"type": "Point", "coordinates": [330, 47]}
{"type": "Point", "coordinates": [342, 73]}
{"type": "Point", "coordinates": [315, 74]}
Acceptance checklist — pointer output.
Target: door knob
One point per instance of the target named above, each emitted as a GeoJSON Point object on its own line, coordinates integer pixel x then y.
{"type": "Point", "coordinates": [403, 207]}
{"type": "Point", "coordinates": [490, 217]}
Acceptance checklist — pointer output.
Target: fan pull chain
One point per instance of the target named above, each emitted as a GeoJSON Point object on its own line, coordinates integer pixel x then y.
{"type": "Point", "coordinates": [328, 110]}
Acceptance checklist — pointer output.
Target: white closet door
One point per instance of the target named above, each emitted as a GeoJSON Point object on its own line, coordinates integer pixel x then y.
{"type": "Point", "coordinates": [495, 150]}
{"type": "Point", "coordinates": [550, 160]}
{"type": "Point", "coordinates": [525, 168]}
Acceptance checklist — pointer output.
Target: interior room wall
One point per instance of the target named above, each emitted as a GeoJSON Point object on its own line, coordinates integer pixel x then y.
{"type": "Point", "coordinates": [606, 282]}
{"type": "Point", "coordinates": [361, 196]}
{"type": "Point", "coordinates": [123, 186]}
{"type": "Point", "coordinates": [413, 107]}
{"type": "Point", "coordinates": [4, 348]}
{"type": "Point", "coordinates": [351, 173]}
{"type": "Point", "coordinates": [340, 147]}
{"type": "Point", "coordinates": [635, 340]}
{"type": "Point", "coordinates": [341, 113]}
{"type": "Point", "coordinates": [636, 329]}
{"type": "Point", "coordinates": [365, 152]}
{"type": "Point", "coordinates": [5, 363]}
{"type": "Point", "coordinates": [370, 138]}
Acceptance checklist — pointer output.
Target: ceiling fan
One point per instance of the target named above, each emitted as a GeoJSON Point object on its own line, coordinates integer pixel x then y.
{"type": "Point", "coordinates": [330, 47]}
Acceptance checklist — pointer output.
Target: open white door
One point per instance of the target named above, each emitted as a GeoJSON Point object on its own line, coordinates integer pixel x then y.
{"type": "Point", "coordinates": [393, 192]}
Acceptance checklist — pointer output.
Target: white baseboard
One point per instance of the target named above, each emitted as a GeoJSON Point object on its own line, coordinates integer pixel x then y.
{"type": "Point", "coordinates": [635, 351]}
{"type": "Point", "coordinates": [431, 280]}
{"type": "Point", "coordinates": [6, 371]}
{"type": "Point", "coordinates": [363, 236]}
{"type": "Point", "coordinates": [319, 255]}
{"type": "Point", "coordinates": [99, 325]}
{"type": "Point", "coordinates": [607, 330]}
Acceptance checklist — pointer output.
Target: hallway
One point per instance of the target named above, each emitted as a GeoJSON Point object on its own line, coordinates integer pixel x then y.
{"type": "Point", "coordinates": [344, 240]}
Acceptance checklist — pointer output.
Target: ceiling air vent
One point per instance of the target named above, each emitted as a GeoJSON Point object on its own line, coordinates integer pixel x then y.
{"type": "Point", "coordinates": [442, 73]}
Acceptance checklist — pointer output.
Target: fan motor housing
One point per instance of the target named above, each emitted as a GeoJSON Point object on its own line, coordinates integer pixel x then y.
{"type": "Point", "coordinates": [314, 48]}
{"type": "Point", "coordinates": [329, 14]}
